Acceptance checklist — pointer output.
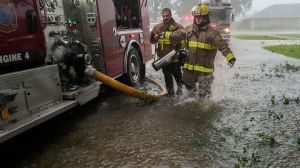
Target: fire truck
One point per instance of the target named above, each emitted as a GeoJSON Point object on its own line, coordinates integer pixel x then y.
{"type": "Point", "coordinates": [46, 46]}
{"type": "Point", "coordinates": [220, 13]}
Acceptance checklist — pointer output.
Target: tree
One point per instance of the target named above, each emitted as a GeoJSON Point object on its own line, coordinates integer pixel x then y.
{"type": "Point", "coordinates": [182, 7]}
{"type": "Point", "coordinates": [155, 7]}
{"type": "Point", "coordinates": [241, 6]}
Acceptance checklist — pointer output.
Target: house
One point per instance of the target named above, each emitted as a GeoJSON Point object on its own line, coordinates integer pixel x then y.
{"type": "Point", "coordinates": [275, 17]}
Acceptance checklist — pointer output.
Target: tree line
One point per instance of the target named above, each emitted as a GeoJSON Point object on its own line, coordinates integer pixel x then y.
{"type": "Point", "coordinates": [182, 7]}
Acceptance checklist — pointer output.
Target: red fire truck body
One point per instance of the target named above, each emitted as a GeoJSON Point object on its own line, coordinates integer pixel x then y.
{"type": "Point", "coordinates": [46, 45]}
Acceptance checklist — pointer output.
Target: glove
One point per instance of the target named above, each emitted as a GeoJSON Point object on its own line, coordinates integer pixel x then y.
{"type": "Point", "coordinates": [161, 35]}
{"type": "Point", "coordinates": [181, 56]}
{"type": "Point", "coordinates": [231, 62]}
{"type": "Point", "coordinates": [156, 37]}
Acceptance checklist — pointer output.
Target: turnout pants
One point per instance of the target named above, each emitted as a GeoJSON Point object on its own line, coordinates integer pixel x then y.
{"type": "Point", "coordinates": [172, 69]}
{"type": "Point", "coordinates": [198, 82]}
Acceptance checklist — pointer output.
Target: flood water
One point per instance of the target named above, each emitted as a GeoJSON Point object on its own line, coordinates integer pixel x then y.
{"type": "Point", "coordinates": [252, 120]}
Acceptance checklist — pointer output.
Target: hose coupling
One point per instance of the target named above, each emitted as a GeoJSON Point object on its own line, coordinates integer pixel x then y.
{"type": "Point", "coordinates": [90, 70]}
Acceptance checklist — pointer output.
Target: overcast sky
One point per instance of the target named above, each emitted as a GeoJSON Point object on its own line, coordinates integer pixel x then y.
{"type": "Point", "coordinates": [258, 5]}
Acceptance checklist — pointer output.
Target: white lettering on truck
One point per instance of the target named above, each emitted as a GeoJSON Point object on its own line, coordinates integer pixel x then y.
{"type": "Point", "coordinates": [27, 55]}
{"type": "Point", "coordinates": [12, 57]}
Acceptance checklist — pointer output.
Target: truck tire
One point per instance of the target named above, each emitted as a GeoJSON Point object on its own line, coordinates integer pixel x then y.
{"type": "Point", "coordinates": [135, 68]}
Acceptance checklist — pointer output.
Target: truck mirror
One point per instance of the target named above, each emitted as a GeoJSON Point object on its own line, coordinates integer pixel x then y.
{"type": "Point", "coordinates": [31, 18]}
{"type": "Point", "coordinates": [232, 17]}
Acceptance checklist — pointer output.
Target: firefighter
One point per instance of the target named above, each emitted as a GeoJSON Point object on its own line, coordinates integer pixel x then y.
{"type": "Point", "coordinates": [164, 47]}
{"type": "Point", "coordinates": [202, 43]}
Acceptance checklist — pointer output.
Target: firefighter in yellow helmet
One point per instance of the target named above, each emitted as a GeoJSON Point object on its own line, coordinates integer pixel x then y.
{"type": "Point", "coordinates": [202, 43]}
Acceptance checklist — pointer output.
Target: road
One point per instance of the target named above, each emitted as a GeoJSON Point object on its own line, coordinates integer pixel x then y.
{"type": "Point", "coordinates": [252, 120]}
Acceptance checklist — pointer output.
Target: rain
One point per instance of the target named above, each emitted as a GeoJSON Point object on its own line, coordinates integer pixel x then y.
{"type": "Point", "coordinates": [252, 118]}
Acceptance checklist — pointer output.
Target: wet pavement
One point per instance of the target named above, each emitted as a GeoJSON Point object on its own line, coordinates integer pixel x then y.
{"type": "Point", "coordinates": [252, 120]}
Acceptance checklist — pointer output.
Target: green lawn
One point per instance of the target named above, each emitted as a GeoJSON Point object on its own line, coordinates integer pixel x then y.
{"type": "Point", "coordinates": [257, 37]}
{"type": "Point", "coordinates": [289, 35]}
{"type": "Point", "coordinates": [288, 50]}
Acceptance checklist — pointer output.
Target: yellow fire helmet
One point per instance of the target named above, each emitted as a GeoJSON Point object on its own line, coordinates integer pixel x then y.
{"type": "Point", "coordinates": [199, 10]}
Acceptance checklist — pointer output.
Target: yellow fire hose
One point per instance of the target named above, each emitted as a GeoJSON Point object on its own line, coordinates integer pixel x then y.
{"type": "Point", "coordinates": [125, 88]}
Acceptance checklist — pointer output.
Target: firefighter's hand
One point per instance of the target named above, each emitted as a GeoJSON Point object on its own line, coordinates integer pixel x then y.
{"type": "Point", "coordinates": [231, 62]}
{"type": "Point", "coordinates": [156, 37]}
{"type": "Point", "coordinates": [161, 35]}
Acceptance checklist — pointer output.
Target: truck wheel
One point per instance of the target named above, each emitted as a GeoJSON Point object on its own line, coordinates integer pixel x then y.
{"type": "Point", "coordinates": [135, 68]}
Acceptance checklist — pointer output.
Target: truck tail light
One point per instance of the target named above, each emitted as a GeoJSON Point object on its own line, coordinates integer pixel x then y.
{"type": "Point", "coordinates": [213, 25]}
{"type": "Point", "coordinates": [132, 35]}
{"type": "Point", "coordinates": [226, 29]}
{"type": "Point", "coordinates": [188, 18]}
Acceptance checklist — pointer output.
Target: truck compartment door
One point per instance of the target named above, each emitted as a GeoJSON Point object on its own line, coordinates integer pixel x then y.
{"type": "Point", "coordinates": [42, 89]}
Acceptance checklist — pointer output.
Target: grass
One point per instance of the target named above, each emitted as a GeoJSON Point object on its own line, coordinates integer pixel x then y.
{"type": "Point", "coordinates": [287, 50]}
{"type": "Point", "coordinates": [289, 35]}
{"type": "Point", "coordinates": [258, 37]}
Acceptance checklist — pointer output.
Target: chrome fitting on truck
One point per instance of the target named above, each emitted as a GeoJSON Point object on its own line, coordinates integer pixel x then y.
{"type": "Point", "coordinates": [90, 70]}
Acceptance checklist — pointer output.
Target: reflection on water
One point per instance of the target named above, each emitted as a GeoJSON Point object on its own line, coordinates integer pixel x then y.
{"type": "Point", "coordinates": [252, 120]}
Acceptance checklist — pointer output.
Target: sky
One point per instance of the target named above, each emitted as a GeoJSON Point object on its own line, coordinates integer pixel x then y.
{"type": "Point", "coordinates": [258, 5]}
